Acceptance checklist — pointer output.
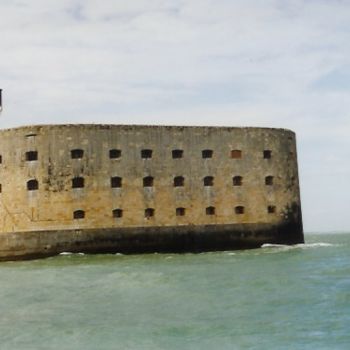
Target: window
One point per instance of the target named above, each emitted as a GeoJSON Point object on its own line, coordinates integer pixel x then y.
{"type": "Point", "coordinates": [208, 181]}
{"type": "Point", "coordinates": [271, 209]}
{"type": "Point", "coordinates": [0, 188]}
{"type": "Point", "coordinates": [269, 180]}
{"type": "Point", "coordinates": [267, 154]}
{"type": "Point", "coordinates": [239, 209]}
{"type": "Point", "coordinates": [115, 153]}
{"type": "Point", "coordinates": [116, 181]}
{"type": "Point", "coordinates": [31, 155]}
{"type": "Point", "coordinates": [149, 212]}
{"type": "Point", "coordinates": [146, 153]}
{"type": "Point", "coordinates": [0, 158]}
{"type": "Point", "coordinates": [79, 214]}
{"type": "Point", "coordinates": [237, 180]}
{"type": "Point", "coordinates": [148, 181]}
{"type": "Point", "coordinates": [179, 181]}
{"type": "Point", "coordinates": [32, 185]}
{"type": "Point", "coordinates": [210, 211]}
{"type": "Point", "coordinates": [177, 153]}
{"type": "Point", "coordinates": [117, 213]}
{"type": "Point", "coordinates": [76, 153]}
{"type": "Point", "coordinates": [77, 182]}
{"type": "Point", "coordinates": [180, 211]}
{"type": "Point", "coordinates": [236, 154]}
{"type": "Point", "coordinates": [207, 153]}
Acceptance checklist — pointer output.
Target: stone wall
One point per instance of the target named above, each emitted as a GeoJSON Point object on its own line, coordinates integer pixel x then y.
{"type": "Point", "coordinates": [262, 160]}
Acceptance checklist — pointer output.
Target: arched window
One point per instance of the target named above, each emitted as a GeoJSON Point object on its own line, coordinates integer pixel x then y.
{"type": "Point", "coordinates": [149, 212]}
{"type": "Point", "coordinates": [146, 153]}
{"type": "Point", "coordinates": [239, 209]}
{"type": "Point", "coordinates": [177, 153]}
{"type": "Point", "coordinates": [32, 185]}
{"type": "Point", "coordinates": [148, 181]}
{"type": "Point", "coordinates": [31, 155]}
{"type": "Point", "coordinates": [271, 209]}
{"type": "Point", "coordinates": [236, 154]}
{"type": "Point", "coordinates": [117, 213]}
{"type": "Point", "coordinates": [79, 214]}
{"type": "Point", "coordinates": [77, 182]}
{"type": "Point", "coordinates": [207, 153]}
{"type": "Point", "coordinates": [208, 181]}
{"type": "Point", "coordinates": [115, 153]}
{"type": "Point", "coordinates": [180, 211]}
{"type": "Point", "coordinates": [179, 181]}
{"type": "Point", "coordinates": [237, 180]}
{"type": "Point", "coordinates": [267, 154]}
{"type": "Point", "coordinates": [210, 211]}
{"type": "Point", "coordinates": [116, 181]}
{"type": "Point", "coordinates": [269, 180]}
{"type": "Point", "coordinates": [76, 153]}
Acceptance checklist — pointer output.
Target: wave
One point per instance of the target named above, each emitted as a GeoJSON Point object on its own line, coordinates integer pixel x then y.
{"type": "Point", "coordinates": [70, 253]}
{"type": "Point", "coordinates": [299, 246]}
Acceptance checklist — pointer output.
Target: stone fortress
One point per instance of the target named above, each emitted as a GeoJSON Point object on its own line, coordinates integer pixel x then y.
{"type": "Point", "coordinates": [134, 189]}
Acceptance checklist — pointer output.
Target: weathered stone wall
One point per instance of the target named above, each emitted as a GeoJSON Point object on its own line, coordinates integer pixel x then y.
{"type": "Point", "coordinates": [51, 206]}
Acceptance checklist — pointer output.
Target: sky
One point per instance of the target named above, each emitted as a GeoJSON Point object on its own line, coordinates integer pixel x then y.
{"type": "Point", "coordinates": [269, 63]}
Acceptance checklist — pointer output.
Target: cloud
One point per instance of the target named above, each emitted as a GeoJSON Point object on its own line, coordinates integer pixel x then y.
{"type": "Point", "coordinates": [222, 62]}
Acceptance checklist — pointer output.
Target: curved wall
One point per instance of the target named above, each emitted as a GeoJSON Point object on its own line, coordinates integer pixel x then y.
{"type": "Point", "coordinates": [263, 162]}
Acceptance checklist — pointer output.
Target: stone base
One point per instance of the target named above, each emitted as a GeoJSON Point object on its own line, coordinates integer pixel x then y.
{"type": "Point", "coordinates": [176, 239]}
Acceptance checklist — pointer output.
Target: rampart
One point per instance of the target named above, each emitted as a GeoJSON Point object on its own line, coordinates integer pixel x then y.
{"type": "Point", "coordinates": [130, 188]}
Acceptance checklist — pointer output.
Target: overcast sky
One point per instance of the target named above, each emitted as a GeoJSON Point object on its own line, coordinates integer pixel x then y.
{"type": "Point", "coordinates": [274, 63]}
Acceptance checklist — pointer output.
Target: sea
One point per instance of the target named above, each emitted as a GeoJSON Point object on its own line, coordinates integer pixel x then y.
{"type": "Point", "coordinates": [274, 297]}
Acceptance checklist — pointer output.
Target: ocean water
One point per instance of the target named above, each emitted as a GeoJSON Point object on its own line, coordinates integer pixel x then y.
{"type": "Point", "coordinates": [275, 297]}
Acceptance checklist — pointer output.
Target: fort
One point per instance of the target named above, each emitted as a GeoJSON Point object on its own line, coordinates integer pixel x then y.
{"type": "Point", "coordinates": [135, 189]}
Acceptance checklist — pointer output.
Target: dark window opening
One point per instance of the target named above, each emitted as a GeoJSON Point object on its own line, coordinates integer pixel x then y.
{"type": "Point", "coordinates": [237, 180]}
{"type": "Point", "coordinates": [269, 180]}
{"type": "Point", "coordinates": [77, 153]}
{"type": "Point", "coordinates": [32, 185]}
{"type": "Point", "coordinates": [117, 213]}
{"type": "Point", "coordinates": [208, 181]}
{"type": "Point", "coordinates": [0, 188]}
{"type": "Point", "coordinates": [207, 153]}
{"type": "Point", "coordinates": [116, 181]}
{"type": "Point", "coordinates": [179, 181]}
{"type": "Point", "coordinates": [31, 155]}
{"type": "Point", "coordinates": [271, 209]}
{"type": "Point", "coordinates": [146, 153]}
{"type": "Point", "coordinates": [149, 212]}
{"type": "Point", "coordinates": [236, 154]}
{"type": "Point", "coordinates": [79, 214]}
{"type": "Point", "coordinates": [148, 181]}
{"type": "Point", "coordinates": [267, 154]}
{"type": "Point", "coordinates": [239, 209]}
{"type": "Point", "coordinates": [180, 211]}
{"type": "Point", "coordinates": [0, 159]}
{"type": "Point", "coordinates": [78, 182]}
{"type": "Point", "coordinates": [177, 153]}
{"type": "Point", "coordinates": [210, 211]}
{"type": "Point", "coordinates": [115, 153]}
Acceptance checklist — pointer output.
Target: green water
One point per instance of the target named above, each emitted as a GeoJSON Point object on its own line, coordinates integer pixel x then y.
{"type": "Point", "coordinates": [268, 298]}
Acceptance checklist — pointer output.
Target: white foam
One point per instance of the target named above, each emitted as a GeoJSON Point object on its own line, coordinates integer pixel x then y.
{"type": "Point", "coordinates": [282, 247]}
{"type": "Point", "coordinates": [70, 253]}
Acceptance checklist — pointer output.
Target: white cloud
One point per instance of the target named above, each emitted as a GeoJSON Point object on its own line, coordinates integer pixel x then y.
{"type": "Point", "coordinates": [220, 62]}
